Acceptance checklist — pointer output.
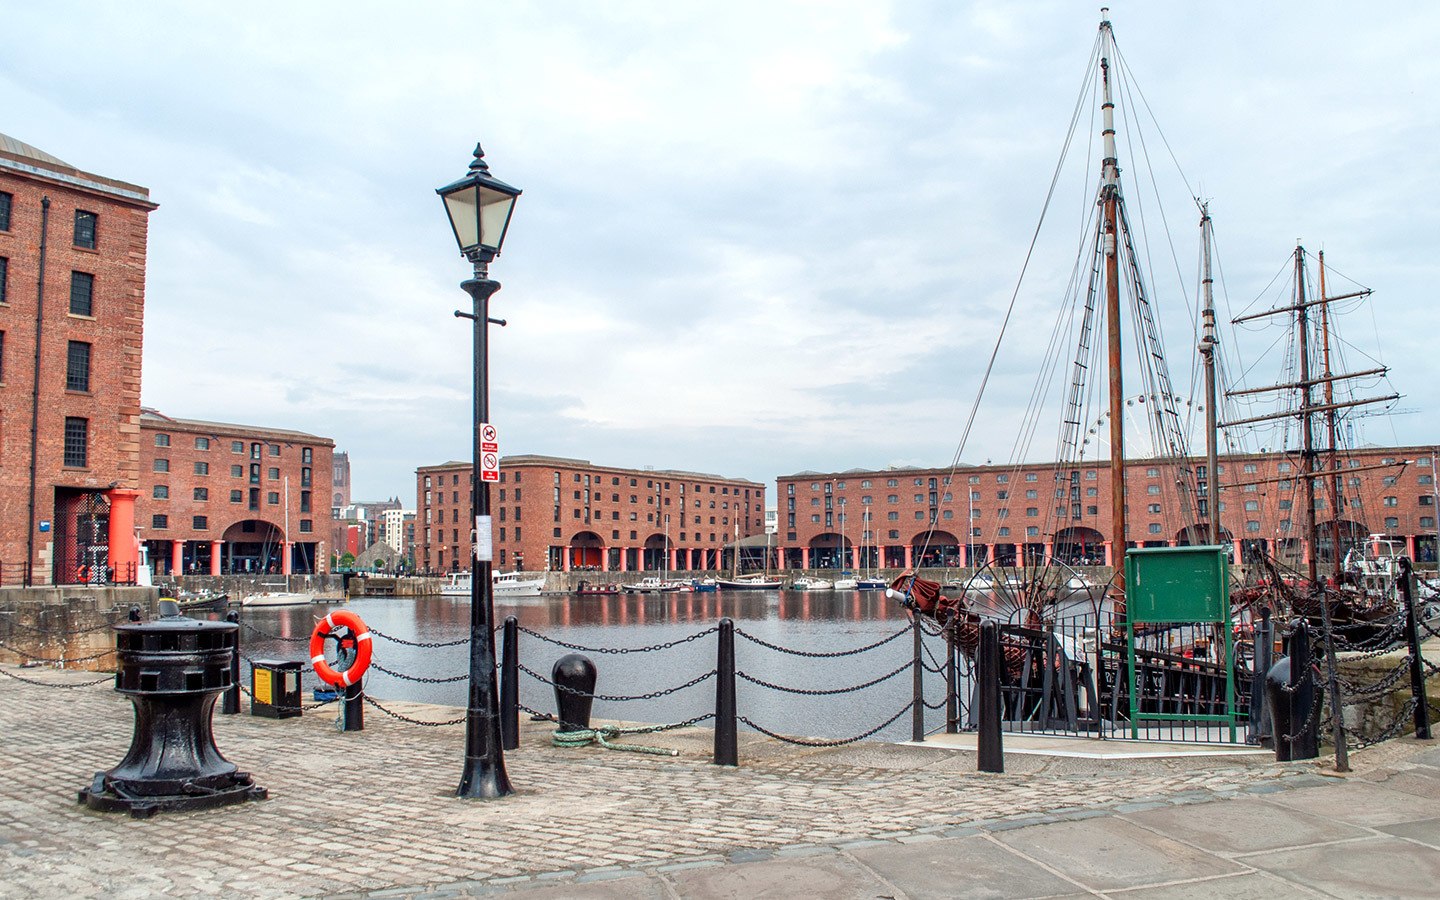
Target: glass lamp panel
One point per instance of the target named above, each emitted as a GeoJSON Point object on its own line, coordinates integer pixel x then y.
{"type": "Point", "coordinates": [495, 210]}
{"type": "Point", "coordinates": [464, 217]}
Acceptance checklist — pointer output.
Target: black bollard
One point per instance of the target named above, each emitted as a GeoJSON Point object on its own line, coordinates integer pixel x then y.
{"type": "Point", "coordinates": [1277, 702]}
{"type": "Point", "coordinates": [1405, 586]}
{"type": "Point", "coordinates": [574, 676]}
{"type": "Point", "coordinates": [727, 743]}
{"type": "Point", "coordinates": [990, 746]}
{"type": "Point", "coordinates": [230, 700]}
{"type": "Point", "coordinates": [352, 708]}
{"type": "Point", "coordinates": [1259, 732]}
{"type": "Point", "coordinates": [1304, 717]}
{"type": "Point", "coordinates": [510, 685]}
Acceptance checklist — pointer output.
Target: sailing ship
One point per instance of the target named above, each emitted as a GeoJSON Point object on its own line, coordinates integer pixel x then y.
{"type": "Point", "coordinates": [755, 581]}
{"type": "Point", "coordinates": [281, 593]}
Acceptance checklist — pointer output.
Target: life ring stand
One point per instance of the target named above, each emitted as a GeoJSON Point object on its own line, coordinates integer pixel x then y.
{"type": "Point", "coordinates": [362, 648]}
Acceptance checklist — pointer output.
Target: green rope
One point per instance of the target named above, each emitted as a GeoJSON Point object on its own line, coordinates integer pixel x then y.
{"type": "Point", "coordinates": [604, 737]}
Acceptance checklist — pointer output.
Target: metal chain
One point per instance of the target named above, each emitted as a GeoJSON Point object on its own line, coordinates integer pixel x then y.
{"type": "Point", "coordinates": [304, 706]}
{"type": "Point", "coordinates": [1398, 725]}
{"type": "Point", "coordinates": [428, 645]}
{"type": "Point", "coordinates": [650, 696]}
{"type": "Point", "coordinates": [74, 659]}
{"type": "Point", "coordinates": [621, 650]}
{"type": "Point", "coordinates": [1310, 720]}
{"type": "Point", "coordinates": [821, 654]}
{"type": "Point", "coordinates": [840, 743]}
{"type": "Point", "coordinates": [814, 692]}
{"type": "Point", "coordinates": [1379, 687]}
{"type": "Point", "coordinates": [940, 705]}
{"type": "Point", "coordinates": [375, 703]}
{"type": "Point", "coordinates": [421, 679]}
{"type": "Point", "coordinates": [109, 678]}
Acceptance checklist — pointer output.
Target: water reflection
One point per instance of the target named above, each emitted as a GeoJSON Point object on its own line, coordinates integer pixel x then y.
{"type": "Point", "coordinates": [809, 621]}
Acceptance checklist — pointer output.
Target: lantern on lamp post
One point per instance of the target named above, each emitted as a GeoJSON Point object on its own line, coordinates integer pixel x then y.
{"type": "Point", "coordinates": [479, 206]}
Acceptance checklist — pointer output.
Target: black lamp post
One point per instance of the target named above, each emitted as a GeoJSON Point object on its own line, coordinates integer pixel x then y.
{"type": "Point", "coordinates": [479, 207]}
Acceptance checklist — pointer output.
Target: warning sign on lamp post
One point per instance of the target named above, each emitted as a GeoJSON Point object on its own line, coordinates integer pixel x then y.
{"type": "Point", "coordinates": [489, 453]}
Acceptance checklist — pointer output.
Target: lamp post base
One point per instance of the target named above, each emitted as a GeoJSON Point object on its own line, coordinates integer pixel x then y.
{"type": "Point", "coordinates": [483, 779]}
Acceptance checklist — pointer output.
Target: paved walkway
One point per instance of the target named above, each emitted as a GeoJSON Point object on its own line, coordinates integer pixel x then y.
{"type": "Point", "coordinates": [371, 814]}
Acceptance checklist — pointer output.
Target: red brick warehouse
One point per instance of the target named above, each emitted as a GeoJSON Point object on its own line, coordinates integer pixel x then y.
{"type": "Point", "coordinates": [72, 306]}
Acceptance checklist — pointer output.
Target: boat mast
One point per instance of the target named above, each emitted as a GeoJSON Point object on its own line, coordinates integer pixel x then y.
{"type": "Point", "coordinates": [1208, 340]}
{"type": "Point", "coordinates": [1307, 423]}
{"type": "Point", "coordinates": [1332, 427]}
{"type": "Point", "coordinates": [1109, 199]}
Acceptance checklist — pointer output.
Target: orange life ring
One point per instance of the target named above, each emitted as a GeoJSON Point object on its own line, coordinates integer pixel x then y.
{"type": "Point", "coordinates": [362, 648]}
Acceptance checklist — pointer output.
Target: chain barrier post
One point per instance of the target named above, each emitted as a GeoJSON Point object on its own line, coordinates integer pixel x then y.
{"type": "Point", "coordinates": [352, 711]}
{"type": "Point", "coordinates": [990, 747]}
{"type": "Point", "coordinates": [1332, 688]}
{"type": "Point", "coordinates": [952, 680]}
{"type": "Point", "coordinates": [917, 687]}
{"type": "Point", "coordinates": [727, 750]}
{"type": "Point", "coordinates": [1406, 586]}
{"type": "Point", "coordinates": [510, 685]}
{"type": "Point", "coordinates": [1259, 729]}
{"type": "Point", "coordinates": [1305, 736]}
{"type": "Point", "coordinates": [230, 701]}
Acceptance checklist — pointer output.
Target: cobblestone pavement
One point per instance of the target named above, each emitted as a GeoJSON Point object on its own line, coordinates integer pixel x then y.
{"type": "Point", "coordinates": [372, 813]}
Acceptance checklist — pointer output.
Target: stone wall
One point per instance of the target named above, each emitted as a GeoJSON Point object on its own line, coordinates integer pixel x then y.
{"type": "Point", "coordinates": [67, 627]}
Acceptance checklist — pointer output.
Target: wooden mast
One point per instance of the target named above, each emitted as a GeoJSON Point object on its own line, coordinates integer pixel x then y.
{"type": "Point", "coordinates": [1110, 199]}
{"type": "Point", "coordinates": [1333, 480]}
{"type": "Point", "coordinates": [1207, 351]}
{"type": "Point", "coordinates": [1307, 422]}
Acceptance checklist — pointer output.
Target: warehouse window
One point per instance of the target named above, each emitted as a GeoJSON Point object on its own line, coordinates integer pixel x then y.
{"type": "Point", "coordinates": [77, 366]}
{"type": "Point", "coordinates": [85, 229]}
{"type": "Point", "coordinates": [82, 293]}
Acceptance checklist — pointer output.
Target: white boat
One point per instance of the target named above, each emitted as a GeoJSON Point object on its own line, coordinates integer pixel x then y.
{"type": "Point", "coordinates": [871, 583]}
{"type": "Point", "coordinates": [279, 598]}
{"type": "Point", "coordinates": [650, 584]}
{"type": "Point", "coordinates": [846, 583]}
{"type": "Point", "coordinates": [503, 584]}
{"type": "Point", "coordinates": [806, 583]}
{"type": "Point", "coordinates": [755, 582]}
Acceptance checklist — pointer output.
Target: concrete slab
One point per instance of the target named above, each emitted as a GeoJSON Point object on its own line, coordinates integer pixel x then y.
{"type": "Point", "coordinates": [632, 888]}
{"type": "Point", "coordinates": [1249, 886]}
{"type": "Point", "coordinates": [1421, 781]}
{"type": "Point", "coordinates": [1382, 867]}
{"type": "Point", "coordinates": [1243, 826]}
{"type": "Point", "coordinates": [1091, 748]}
{"type": "Point", "coordinates": [1429, 757]}
{"type": "Point", "coordinates": [970, 868]}
{"type": "Point", "coordinates": [1357, 803]}
{"type": "Point", "coordinates": [1425, 831]}
{"type": "Point", "coordinates": [834, 877]}
{"type": "Point", "coordinates": [1110, 854]}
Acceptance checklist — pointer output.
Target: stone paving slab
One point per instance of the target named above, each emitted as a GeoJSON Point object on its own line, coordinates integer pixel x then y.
{"type": "Point", "coordinates": [371, 814]}
{"type": "Point", "coordinates": [1243, 826]}
{"type": "Point", "coordinates": [1379, 867]}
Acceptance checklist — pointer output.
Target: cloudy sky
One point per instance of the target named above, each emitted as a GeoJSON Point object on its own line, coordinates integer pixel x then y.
{"type": "Point", "coordinates": [756, 237]}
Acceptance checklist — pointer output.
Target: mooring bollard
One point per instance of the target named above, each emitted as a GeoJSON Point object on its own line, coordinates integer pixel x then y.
{"type": "Point", "coordinates": [1258, 728]}
{"type": "Point", "coordinates": [1304, 714]}
{"type": "Point", "coordinates": [1405, 584]}
{"type": "Point", "coordinates": [510, 684]}
{"type": "Point", "coordinates": [574, 677]}
{"type": "Point", "coordinates": [230, 700]}
{"type": "Point", "coordinates": [727, 742]}
{"type": "Point", "coordinates": [990, 747]}
{"type": "Point", "coordinates": [1277, 701]}
{"type": "Point", "coordinates": [173, 669]}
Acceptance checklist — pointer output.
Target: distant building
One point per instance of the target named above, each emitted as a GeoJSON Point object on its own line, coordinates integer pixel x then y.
{"type": "Point", "coordinates": [218, 498]}
{"type": "Point", "coordinates": [340, 480]}
{"type": "Point", "coordinates": [392, 529]}
{"type": "Point", "coordinates": [563, 514]}
{"type": "Point", "coordinates": [70, 349]}
{"type": "Point", "coordinates": [904, 517]}
{"type": "Point", "coordinates": [358, 524]}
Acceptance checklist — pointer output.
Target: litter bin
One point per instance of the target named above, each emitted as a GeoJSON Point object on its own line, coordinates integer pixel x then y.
{"type": "Point", "coordinates": [275, 688]}
{"type": "Point", "coordinates": [173, 669]}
